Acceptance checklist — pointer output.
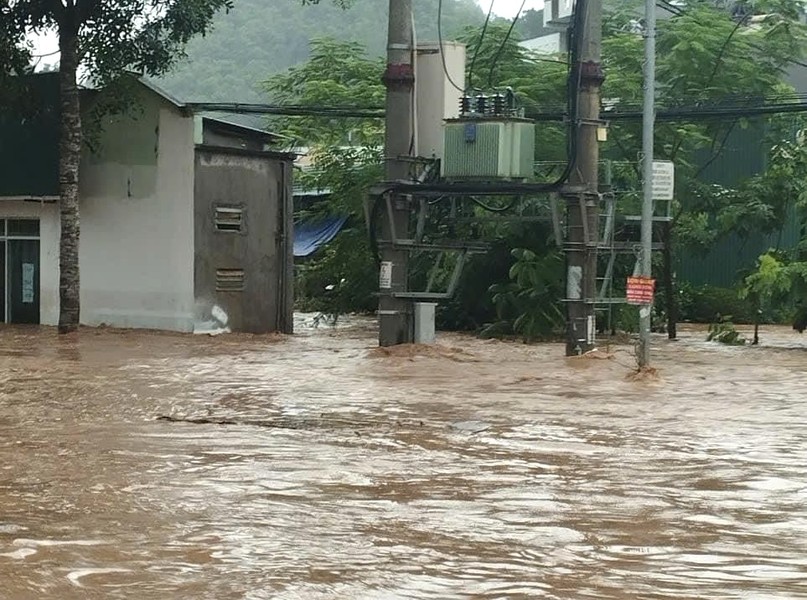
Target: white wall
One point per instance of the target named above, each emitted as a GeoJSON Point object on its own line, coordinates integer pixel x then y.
{"type": "Point", "coordinates": [136, 252]}
{"type": "Point", "coordinates": [548, 44]}
{"type": "Point", "coordinates": [437, 99]}
{"type": "Point", "coordinates": [48, 215]}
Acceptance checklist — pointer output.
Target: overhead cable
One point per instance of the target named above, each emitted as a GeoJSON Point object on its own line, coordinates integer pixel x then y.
{"type": "Point", "coordinates": [504, 43]}
{"type": "Point", "coordinates": [479, 45]}
{"type": "Point", "coordinates": [440, 44]}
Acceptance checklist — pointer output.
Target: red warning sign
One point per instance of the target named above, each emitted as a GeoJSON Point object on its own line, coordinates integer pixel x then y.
{"type": "Point", "coordinates": [641, 290]}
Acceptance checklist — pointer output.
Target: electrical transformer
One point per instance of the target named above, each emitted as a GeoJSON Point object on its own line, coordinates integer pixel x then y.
{"type": "Point", "coordinates": [488, 142]}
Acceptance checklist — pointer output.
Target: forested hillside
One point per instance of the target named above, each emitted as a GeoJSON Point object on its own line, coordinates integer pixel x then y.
{"type": "Point", "coordinates": [259, 38]}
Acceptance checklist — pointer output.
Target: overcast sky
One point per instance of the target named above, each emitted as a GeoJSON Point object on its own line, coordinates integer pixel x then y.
{"type": "Point", "coordinates": [509, 8]}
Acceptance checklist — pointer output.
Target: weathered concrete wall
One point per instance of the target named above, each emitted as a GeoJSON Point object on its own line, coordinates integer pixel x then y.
{"type": "Point", "coordinates": [136, 252]}
{"type": "Point", "coordinates": [259, 184]}
{"type": "Point", "coordinates": [48, 215]}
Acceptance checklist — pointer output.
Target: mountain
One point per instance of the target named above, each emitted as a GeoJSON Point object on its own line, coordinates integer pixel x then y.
{"type": "Point", "coordinates": [259, 38]}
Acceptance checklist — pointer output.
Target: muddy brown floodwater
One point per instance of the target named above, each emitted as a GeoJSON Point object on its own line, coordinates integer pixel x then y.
{"type": "Point", "coordinates": [318, 467]}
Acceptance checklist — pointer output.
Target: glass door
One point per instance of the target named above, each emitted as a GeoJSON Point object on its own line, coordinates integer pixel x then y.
{"type": "Point", "coordinates": [23, 281]}
{"type": "Point", "coordinates": [19, 271]}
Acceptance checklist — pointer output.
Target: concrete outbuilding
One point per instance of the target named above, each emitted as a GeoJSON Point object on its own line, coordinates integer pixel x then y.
{"type": "Point", "coordinates": [186, 221]}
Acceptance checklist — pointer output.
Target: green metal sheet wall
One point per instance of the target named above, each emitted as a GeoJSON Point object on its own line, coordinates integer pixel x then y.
{"type": "Point", "coordinates": [731, 259]}
{"type": "Point", "coordinates": [29, 140]}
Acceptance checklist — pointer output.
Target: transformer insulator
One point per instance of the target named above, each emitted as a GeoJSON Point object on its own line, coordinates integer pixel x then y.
{"type": "Point", "coordinates": [482, 104]}
{"type": "Point", "coordinates": [465, 105]}
{"type": "Point", "coordinates": [498, 104]}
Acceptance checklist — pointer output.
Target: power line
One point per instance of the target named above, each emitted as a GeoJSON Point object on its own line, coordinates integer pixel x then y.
{"type": "Point", "coordinates": [504, 43]}
{"type": "Point", "coordinates": [626, 113]}
{"type": "Point", "coordinates": [440, 44]}
{"type": "Point", "coordinates": [288, 110]}
{"type": "Point", "coordinates": [479, 45]}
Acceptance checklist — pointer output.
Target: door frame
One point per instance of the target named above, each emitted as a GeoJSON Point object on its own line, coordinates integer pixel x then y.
{"type": "Point", "coordinates": [6, 238]}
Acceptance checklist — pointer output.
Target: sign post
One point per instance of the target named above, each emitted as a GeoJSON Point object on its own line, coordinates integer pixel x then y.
{"type": "Point", "coordinates": [649, 169]}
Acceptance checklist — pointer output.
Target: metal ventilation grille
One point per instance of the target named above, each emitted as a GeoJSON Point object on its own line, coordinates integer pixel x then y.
{"type": "Point", "coordinates": [230, 280]}
{"type": "Point", "coordinates": [229, 218]}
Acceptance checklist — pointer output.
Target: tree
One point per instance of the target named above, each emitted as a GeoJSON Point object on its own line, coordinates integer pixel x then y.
{"type": "Point", "coordinates": [106, 38]}
{"type": "Point", "coordinates": [338, 74]}
{"type": "Point", "coordinates": [14, 54]}
{"type": "Point", "coordinates": [780, 277]}
{"type": "Point", "coordinates": [705, 58]}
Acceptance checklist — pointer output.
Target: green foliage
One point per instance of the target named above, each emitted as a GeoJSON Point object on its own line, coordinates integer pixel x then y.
{"type": "Point", "coordinates": [258, 39]}
{"type": "Point", "coordinates": [771, 278]}
{"type": "Point", "coordinates": [528, 305]}
{"type": "Point", "coordinates": [706, 303]}
{"type": "Point", "coordinates": [347, 263]}
{"type": "Point", "coordinates": [704, 58]}
{"type": "Point", "coordinates": [347, 172]}
{"type": "Point", "coordinates": [14, 56]}
{"type": "Point", "coordinates": [724, 332]}
{"type": "Point", "coordinates": [531, 25]}
{"type": "Point", "coordinates": [707, 58]}
{"type": "Point", "coordinates": [336, 74]}
{"type": "Point", "coordinates": [495, 65]}
{"type": "Point", "coordinates": [342, 278]}
{"type": "Point", "coordinates": [779, 283]}
{"type": "Point", "coordinates": [118, 36]}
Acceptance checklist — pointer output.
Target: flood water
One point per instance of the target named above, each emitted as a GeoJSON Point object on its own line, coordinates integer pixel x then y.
{"type": "Point", "coordinates": [315, 467]}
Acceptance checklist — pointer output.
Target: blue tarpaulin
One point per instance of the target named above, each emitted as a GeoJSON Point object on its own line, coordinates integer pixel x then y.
{"type": "Point", "coordinates": [309, 236]}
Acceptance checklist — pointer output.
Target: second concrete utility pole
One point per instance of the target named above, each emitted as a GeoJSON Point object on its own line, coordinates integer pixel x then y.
{"type": "Point", "coordinates": [394, 313]}
{"type": "Point", "coordinates": [583, 208]}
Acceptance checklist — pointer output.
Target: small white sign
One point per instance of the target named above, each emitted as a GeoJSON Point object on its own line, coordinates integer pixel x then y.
{"type": "Point", "coordinates": [574, 283]}
{"type": "Point", "coordinates": [663, 180]}
{"type": "Point", "coordinates": [591, 330]}
{"type": "Point", "coordinates": [385, 276]}
{"type": "Point", "coordinates": [27, 283]}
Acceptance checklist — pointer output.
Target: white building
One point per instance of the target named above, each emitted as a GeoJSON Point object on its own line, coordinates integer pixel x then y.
{"type": "Point", "coordinates": [551, 43]}
{"type": "Point", "coordinates": [150, 229]}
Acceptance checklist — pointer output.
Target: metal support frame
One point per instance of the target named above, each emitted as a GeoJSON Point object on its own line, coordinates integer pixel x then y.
{"type": "Point", "coordinates": [463, 248]}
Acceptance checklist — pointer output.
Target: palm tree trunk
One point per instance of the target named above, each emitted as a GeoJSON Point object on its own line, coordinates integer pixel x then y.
{"type": "Point", "coordinates": [69, 161]}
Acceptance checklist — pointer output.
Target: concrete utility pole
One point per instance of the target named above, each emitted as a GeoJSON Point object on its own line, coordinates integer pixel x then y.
{"type": "Point", "coordinates": [395, 314]}
{"type": "Point", "coordinates": [583, 209]}
{"type": "Point", "coordinates": [648, 153]}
